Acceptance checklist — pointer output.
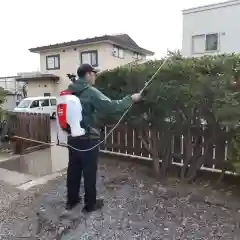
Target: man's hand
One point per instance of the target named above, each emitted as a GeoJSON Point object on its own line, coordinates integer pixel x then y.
{"type": "Point", "coordinates": [136, 97]}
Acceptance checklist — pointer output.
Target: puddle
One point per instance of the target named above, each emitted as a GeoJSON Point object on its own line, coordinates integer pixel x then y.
{"type": "Point", "coordinates": [6, 155]}
{"type": "Point", "coordinates": [40, 163]}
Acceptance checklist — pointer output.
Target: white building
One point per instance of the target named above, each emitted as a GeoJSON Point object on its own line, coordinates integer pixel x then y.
{"type": "Point", "coordinates": [211, 29]}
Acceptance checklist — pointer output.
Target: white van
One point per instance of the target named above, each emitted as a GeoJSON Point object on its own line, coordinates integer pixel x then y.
{"type": "Point", "coordinates": [38, 105]}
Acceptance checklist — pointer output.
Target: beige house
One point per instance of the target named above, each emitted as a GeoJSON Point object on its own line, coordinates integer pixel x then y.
{"type": "Point", "coordinates": [58, 60]}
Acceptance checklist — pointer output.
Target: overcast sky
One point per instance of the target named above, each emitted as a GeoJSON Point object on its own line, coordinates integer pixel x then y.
{"type": "Point", "coordinates": [153, 24]}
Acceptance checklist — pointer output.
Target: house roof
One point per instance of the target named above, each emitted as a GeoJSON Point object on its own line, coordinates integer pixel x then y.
{"type": "Point", "coordinates": [38, 76]}
{"type": "Point", "coordinates": [7, 77]}
{"type": "Point", "coordinates": [122, 40]}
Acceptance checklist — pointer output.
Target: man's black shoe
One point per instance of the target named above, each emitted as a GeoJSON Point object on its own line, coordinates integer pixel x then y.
{"type": "Point", "coordinates": [97, 206]}
{"type": "Point", "coordinates": [70, 206]}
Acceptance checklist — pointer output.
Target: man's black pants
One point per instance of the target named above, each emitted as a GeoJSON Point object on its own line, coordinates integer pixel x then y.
{"type": "Point", "coordinates": [82, 163]}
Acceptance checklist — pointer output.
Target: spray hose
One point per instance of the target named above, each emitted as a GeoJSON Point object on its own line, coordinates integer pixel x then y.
{"type": "Point", "coordinates": [114, 127]}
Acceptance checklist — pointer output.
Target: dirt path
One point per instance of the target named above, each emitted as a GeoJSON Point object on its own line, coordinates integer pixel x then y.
{"type": "Point", "coordinates": [139, 208]}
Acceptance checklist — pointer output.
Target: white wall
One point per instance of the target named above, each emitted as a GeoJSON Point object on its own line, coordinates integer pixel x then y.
{"type": "Point", "coordinates": [38, 88]}
{"type": "Point", "coordinates": [223, 19]}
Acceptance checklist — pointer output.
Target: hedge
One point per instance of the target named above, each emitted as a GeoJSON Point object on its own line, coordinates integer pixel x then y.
{"type": "Point", "coordinates": [183, 95]}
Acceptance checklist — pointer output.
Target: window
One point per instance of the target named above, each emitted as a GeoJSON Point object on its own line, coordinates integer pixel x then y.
{"type": "Point", "coordinates": [118, 52]}
{"type": "Point", "coordinates": [204, 43]}
{"type": "Point", "coordinates": [212, 42]}
{"type": "Point", "coordinates": [24, 104]}
{"type": "Point", "coordinates": [53, 62]}
{"type": "Point", "coordinates": [137, 56]}
{"type": "Point", "coordinates": [90, 57]}
{"type": "Point", "coordinates": [35, 104]}
{"type": "Point", "coordinates": [198, 44]}
{"type": "Point", "coordinates": [45, 103]}
{"type": "Point", "coordinates": [53, 102]}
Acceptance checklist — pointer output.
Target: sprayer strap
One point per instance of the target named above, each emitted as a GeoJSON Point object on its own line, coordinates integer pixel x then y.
{"type": "Point", "coordinates": [78, 94]}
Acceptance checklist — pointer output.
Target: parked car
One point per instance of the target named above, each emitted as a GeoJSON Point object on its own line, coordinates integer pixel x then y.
{"type": "Point", "coordinates": [38, 105]}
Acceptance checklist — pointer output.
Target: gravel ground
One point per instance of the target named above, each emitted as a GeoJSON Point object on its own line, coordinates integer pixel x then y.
{"type": "Point", "coordinates": [15, 215]}
{"type": "Point", "coordinates": [136, 207]}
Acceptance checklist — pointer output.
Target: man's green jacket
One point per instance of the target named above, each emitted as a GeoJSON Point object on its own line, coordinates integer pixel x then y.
{"type": "Point", "coordinates": [95, 103]}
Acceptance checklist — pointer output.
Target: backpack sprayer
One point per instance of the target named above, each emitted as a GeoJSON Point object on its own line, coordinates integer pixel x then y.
{"type": "Point", "coordinates": [69, 116]}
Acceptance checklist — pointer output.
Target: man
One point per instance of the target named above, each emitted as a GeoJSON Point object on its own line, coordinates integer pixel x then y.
{"type": "Point", "coordinates": [93, 102]}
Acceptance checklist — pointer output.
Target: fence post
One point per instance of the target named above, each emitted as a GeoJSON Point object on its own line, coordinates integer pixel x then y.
{"type": "Point", "coordinates": [19, 142]}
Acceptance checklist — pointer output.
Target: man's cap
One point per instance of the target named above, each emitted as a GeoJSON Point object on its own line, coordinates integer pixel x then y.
{"type": "Point", "coordinates": [86, 68]}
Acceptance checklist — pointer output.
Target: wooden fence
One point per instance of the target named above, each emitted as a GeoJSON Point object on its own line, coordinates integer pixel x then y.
{"type": "Point", "coordinates": [125, 141]}
{"type": "Point", "coordinates": [29, 126]}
